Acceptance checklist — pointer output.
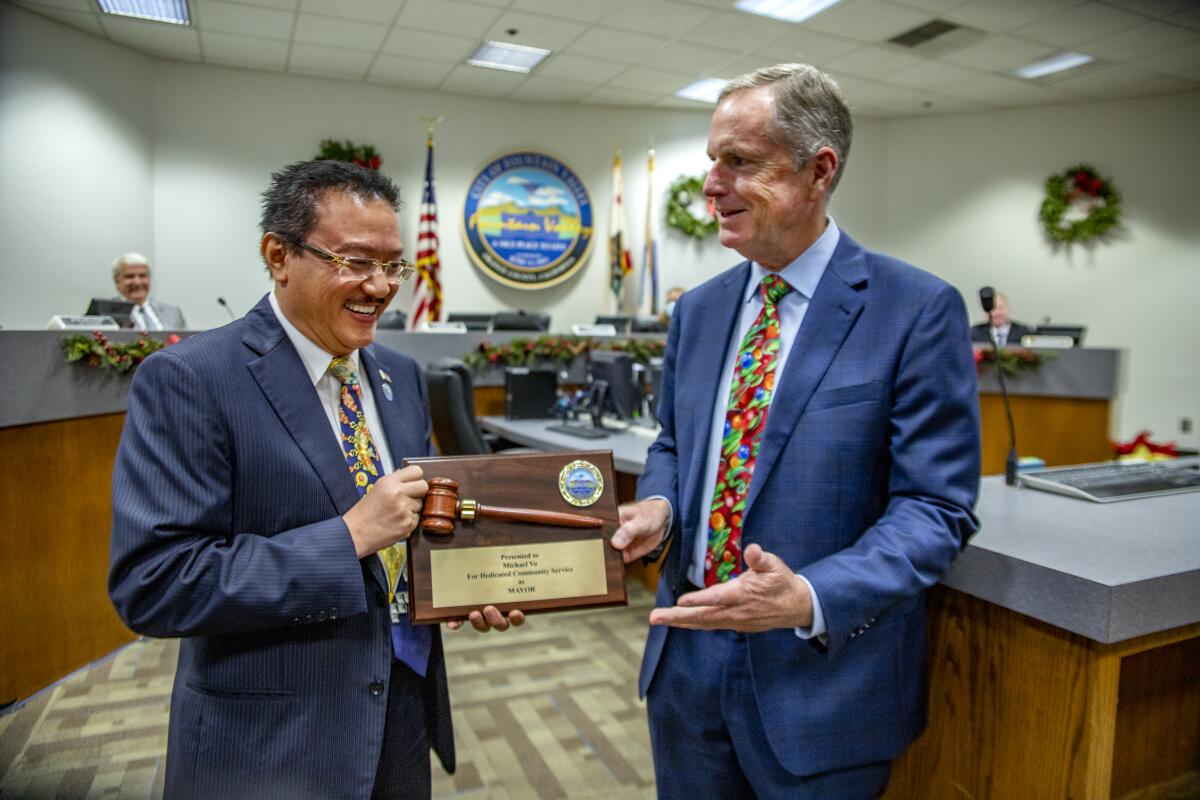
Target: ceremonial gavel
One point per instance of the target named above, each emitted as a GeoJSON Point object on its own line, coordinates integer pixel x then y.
{"type": "Point", "coordinates": [443, 506]}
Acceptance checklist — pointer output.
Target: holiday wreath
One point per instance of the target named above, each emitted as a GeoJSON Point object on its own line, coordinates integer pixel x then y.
{"type": "Point", "coordinates": [1080, 206]}
{"type": "Point", "coordinates": [688, 210]}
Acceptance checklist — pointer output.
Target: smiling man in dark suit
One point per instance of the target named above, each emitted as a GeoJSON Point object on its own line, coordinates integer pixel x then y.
{"type": "Point", "coordinates": [816, 472]}
{"type": "Point", "coordinates": [258, 515]}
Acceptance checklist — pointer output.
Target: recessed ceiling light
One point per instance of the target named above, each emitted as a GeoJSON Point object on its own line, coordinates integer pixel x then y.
{"type": "Point", "coordinates": [507, 56]}
{"type": "Point", "coordinates": [787, 10]}
{"type": "Point", "coordinates": [173, 11]}
{"type": "Point", "coordinates": [1055, 63]}
{"type": "Point", "coordinates": [705, 90]}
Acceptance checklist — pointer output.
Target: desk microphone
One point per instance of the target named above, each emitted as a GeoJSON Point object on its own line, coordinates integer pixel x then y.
{"type": "Point", "coordinates": [225, 306]}
{"type": "Point", "coordinates": [987, 299]}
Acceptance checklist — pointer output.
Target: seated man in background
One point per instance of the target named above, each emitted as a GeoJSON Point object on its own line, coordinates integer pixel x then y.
{"type": "Point", "coordinates": [131, 274]}
{"type": "Point", "coordinates": [1001, 323]}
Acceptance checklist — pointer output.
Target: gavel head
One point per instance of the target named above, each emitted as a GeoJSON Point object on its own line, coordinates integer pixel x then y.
{"type": "Point", "coordinates": [441, 506]}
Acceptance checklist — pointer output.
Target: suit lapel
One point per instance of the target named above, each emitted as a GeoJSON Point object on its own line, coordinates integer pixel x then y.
{"type": "Point", "coordinates": [285, 383]}
{"type": "Point", "coordinates": [831, 315]}
{"type": "Point", "coordinates": [704, 369]}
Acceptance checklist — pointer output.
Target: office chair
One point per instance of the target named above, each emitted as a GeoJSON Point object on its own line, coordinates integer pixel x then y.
{"type": "Point", "coordinates": [473, 321]}
{"type": "Point", "coordinates": [648, 325]}
{"type": "Point", "coordinates": [457, 434]}
{"type": "Point", "coordinates": [618, 321]}
{"type": "Point", "coordinates": [520, 321]}
{"type": "Point", "coordinates": [393, 321]}
{"type": "Point", "coordinates": [463, 372]}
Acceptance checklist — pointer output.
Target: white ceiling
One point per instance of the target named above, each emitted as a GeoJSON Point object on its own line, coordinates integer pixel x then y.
{"type": "Point", "coordinates": [639, 52]}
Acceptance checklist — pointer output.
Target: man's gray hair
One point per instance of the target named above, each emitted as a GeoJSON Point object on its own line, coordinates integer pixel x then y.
{"type": "Point", "coordinates": [129, 260]}
{"type": "Point", "coordinates": [810, 112]}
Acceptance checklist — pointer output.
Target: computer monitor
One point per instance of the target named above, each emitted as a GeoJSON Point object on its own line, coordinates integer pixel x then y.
{"type": "Point", "coordinates": [656, 378]}
{"type": "Point", "coordinates": [1074, 331]}
{"type": "Point", "coordinates": [473, 321]}
{"type": "Point", "coordinates": [618, 321]}
{"type": "Point", "coordinates": [648, 325]}
{"type": "Point", "coordinates": [520, 321]}
{"type": "Point", "coordinates": [624, 396]}
{"type": "Point", "coordinates": [119, 310]}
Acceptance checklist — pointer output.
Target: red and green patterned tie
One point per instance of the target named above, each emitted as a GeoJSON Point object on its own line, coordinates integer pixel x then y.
{"type": "Point", "coordinates": [745, 419]}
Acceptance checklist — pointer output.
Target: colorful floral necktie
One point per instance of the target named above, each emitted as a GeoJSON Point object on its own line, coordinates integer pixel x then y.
{"type": "Point", "coordinates": [411, 645]}
{"type": "Point", "coordinates": [746, 416]}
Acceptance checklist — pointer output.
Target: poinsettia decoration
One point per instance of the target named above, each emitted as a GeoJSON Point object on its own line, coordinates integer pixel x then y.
{"type": "Point", "coordinates": [362, 154]}
{"type": "Point", "coordinates": [1140, 447]}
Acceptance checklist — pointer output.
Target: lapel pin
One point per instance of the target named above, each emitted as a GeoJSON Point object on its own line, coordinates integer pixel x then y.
{"type": "Point", "coordinates": [387, 391]}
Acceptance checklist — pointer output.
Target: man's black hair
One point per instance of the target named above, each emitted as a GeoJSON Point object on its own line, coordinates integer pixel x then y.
{"type": "Point", "coordinates": [289, 205]}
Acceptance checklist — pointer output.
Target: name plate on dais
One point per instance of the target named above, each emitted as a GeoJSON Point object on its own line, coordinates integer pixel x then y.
{"type": "Point", "coordinates": [528, 531]}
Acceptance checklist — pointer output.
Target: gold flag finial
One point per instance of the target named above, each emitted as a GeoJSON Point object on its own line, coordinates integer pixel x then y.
{"type": "Point", "coordinates": [431, 122]}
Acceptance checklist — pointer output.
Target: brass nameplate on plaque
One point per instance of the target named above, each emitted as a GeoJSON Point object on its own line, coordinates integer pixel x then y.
{"type": "Point", "coordinates": [477, 576]}
{"type": "Point", "coordinates": [528, 531]}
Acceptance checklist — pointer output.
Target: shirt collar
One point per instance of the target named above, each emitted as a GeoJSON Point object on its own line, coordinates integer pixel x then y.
{"type": "Point", "coordinates": [805, 272]}
{"type": "Point", "coordinates": [315, 358]}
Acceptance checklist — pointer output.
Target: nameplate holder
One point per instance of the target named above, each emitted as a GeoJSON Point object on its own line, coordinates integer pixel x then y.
{"type": "Point", "coordinates": [443, 327]}
{"type": "Point", "coordinates": [1036, 340]}
{"type": "Point", "coordinates": [78, 322]}
{"type": "Point", "coordinates": [593, 330]}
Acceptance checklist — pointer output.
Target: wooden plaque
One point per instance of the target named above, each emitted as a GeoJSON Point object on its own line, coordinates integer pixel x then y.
{"type": "Point", "coordinates": [533, 567]}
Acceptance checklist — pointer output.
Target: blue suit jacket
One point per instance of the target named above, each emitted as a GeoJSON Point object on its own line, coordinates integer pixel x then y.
{"type": "Point", "coordinates": [865, 483]}
{"type": "Point", "coordinates": [228, 492]}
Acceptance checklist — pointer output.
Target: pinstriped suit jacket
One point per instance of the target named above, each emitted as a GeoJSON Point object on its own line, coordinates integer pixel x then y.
{"type": "Point", "coordinates": [228, 492]}
{"type": "Point", "coordinates": [865, 483]}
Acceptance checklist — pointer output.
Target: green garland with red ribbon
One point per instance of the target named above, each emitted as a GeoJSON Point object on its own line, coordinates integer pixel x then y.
{"type": "Point", "coordinates": [1082, 189]}
{"type": "Point", "coordinates": [562, 349]}
{"type": "Point", "coordinates": [362, 154]}
{"type": "Point", "coordinates": [97, 351]}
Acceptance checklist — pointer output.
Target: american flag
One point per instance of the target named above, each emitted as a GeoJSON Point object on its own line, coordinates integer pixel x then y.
{"type": "Point", "coordinates": [427, 291]}
{"type": "Point", "coordinates": [620, 262]}
{"type": "Point", "coordinates": [650, 261]}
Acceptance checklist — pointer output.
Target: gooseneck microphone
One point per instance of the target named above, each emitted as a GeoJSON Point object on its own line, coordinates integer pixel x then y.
{"type": "Point", "coordinates": [987, 299]}
{"type": "Point", "coordinates": [224, 305]}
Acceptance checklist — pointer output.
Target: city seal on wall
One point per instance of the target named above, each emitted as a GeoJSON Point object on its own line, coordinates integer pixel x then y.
{"type": "Point", "coordinates": [527, 221]}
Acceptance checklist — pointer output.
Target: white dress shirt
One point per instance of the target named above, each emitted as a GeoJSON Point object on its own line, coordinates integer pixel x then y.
{"type": "Point", "coordinates": [802, 275]}
{"type": "Point", "coordinates": [329, 389]}
{"type": "Point", "coordinates": [144, 318]}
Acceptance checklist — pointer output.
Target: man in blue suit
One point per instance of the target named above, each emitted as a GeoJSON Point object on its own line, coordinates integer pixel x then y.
{"type": "Point", "coordinates": [816, 472]}
{"type": "Point", "coordinates": [257, 515]}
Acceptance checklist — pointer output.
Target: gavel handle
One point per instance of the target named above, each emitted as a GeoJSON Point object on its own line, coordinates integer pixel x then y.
{"type": "Point", "coordinates": [559, 518]}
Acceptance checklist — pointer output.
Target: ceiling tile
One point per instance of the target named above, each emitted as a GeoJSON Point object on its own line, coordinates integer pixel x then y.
{"type": "Point", "coordinates": [426, 44]}
{"type": "Point", "coordinates": [84, 21]}
{"type": "Point", "coordinates": [1154, 8]}
{"type": "Point", "coordinates": [1142, 41]}
{"type": "Point", "coordinates": [534, 30]}
{"type": "Point", "coordinates": [156, 38]}
{"type": "Point", "coordinates": [737, 30]}
{"type": "Point", "coordinates": [1000, 53]}
{"type": "Point", "coordinates": [580, 68]}
{"type": "Point", "coordinates": [698, 58]}
{"type": "Point", "coordinates": [931, 74]}
{"type": "Point", "coordinates": [1119, 80]}
{"type": "Point", "coordinates": [409, 71]}
{"type": "Point", "coordinates": [867, 20]}
{"type": "Point", "coordinates": [934, 103]}
{"type": "Point", "coordinates": [875, 62]}
{"type": "Point", "coordinates": [808, 47]}
{"type": "Point", "coordinates": [447, 16]}
{"type": "Point", "coordinates": [652, 79]}
{"type": "Point", "coordinates": [265, 23]}
{"type": "Point", "coordinates": [591, 11]}
{"type": "Point", "coordinates": [82, 6]}
{"type": "Point", "coordinates": [283, 5]}
{"type": "Point", "coordinates": [365, 10]}
{"type": "Point", "coordinates": [329, 62]}
{"type": "Point", "coordinates": [936, 6]}
{"type": "Point", "coordinates": [662, 17]}
{"type": "Point", "coordinates": [1182, 62]}
{"type": "Point", "coordinates": [482, 82]}
{"type": "Point", "coordinates": [999, 90]}
{"type": "Point", "coordinates": [1188, 19]}
{"type": "Point", "coordinates": [874, 93]}
{"type": "Point", "coordinates": [683, 103]}
{"type": "Point", "coordinates": [339, 33]}
{"type": "Point", "coordinates": [1002, 17]}
{"type": "Point", "coordinates": [615, 45]}
{"type": "Point", "coordinates": [540, 89]}
{"type": "Point", "coordinates": [1079, 24]}
{"type": "Point", "coordinates": [742, 66]}
{"type": "Point", "coordinates": [244, 51]}
{"type": "Point", "coordinates": [619, 96]}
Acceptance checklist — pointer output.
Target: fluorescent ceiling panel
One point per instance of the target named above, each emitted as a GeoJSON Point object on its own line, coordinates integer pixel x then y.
{"type": "Point", "coordinates": [705, 90]}
{"type": "Point", "coordinates": [1055, 63]}
{"type": "Point", "coordinates": [506, 56]}
{"type": "Point", "coordinates": [786, 10]}
{"type": "Point", "coordinates": [172, 11]}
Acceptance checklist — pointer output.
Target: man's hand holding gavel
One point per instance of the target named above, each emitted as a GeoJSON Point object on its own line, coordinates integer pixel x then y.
{"type": "Point", "coordinates": [389, 513]}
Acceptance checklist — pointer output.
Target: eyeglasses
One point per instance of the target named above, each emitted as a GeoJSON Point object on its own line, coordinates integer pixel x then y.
{"type": "Point", "coordinates": [358, 269]}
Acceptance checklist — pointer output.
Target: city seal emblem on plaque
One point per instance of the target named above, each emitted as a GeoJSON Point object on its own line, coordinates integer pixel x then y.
{"type": "Point", "coordinates": [580, 483]}
{"type": "Point", "coordinates": [527, 221]}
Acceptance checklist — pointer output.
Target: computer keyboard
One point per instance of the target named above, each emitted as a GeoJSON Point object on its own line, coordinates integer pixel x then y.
{"type": "Point", "coordinates": [1106, 483]}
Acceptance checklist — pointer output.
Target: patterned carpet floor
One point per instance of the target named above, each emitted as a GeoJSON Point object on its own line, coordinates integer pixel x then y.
{"type": "Point", "coordinates": [547, 711]}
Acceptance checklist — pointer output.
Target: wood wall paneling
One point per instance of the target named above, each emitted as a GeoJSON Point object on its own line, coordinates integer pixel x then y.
{"type": "Point", "coordinates": [1061, 430]}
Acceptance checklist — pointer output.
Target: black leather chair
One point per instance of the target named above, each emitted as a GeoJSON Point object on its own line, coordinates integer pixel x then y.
{"type": "Point", "coordinates": [648, 325]}
{"type": "Point", "coordinates": [460, 368]}
{"type": "Point", "coordinates": [520, 321]}
{"type": "Point", "coordinates": [457, 433]}
{"type": "Point", "coordinates": [393, 320]}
